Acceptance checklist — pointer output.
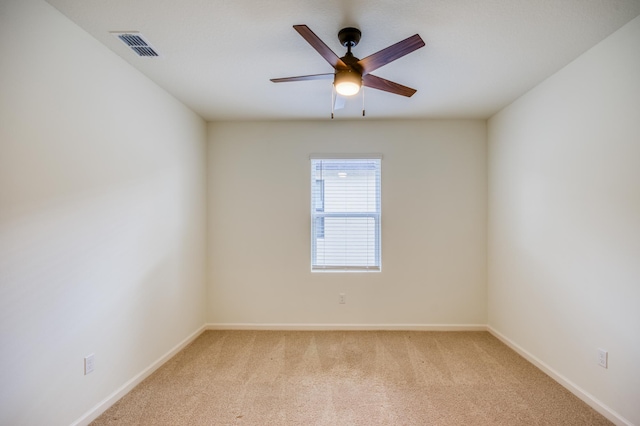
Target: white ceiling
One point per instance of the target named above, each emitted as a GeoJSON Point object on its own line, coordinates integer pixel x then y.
{"type": "Point", "coordinates": [480, 55]}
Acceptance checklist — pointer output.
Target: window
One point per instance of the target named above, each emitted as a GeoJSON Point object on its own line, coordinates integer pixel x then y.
{"type": "Point", "coordinates": [318, 191]}
{"type": "Point", "coordinates": [345, 214]}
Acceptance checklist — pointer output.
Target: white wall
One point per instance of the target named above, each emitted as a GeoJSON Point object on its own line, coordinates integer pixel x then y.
{"type": "Point", "coordinates": [102, 189]}
{"type": "Point", "coordinates": [564, 221]}
{"type": "Point", "coordinates": [433, 224]}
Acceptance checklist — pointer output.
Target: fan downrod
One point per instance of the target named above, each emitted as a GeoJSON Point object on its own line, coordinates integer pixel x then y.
{"type": "Point", "coordinates": [349, 37]}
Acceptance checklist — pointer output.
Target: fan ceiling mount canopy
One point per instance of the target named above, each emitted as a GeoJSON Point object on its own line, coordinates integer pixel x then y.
{"type": "Point", "coordinates": [350, 72]}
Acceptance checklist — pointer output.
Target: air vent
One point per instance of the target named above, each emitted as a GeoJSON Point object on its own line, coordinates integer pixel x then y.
{"type": "Point", "coordinates": [136, 42]}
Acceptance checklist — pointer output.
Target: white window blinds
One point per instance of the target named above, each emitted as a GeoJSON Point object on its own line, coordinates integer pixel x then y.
{"type": "Point", "coordinates": [345, 214]}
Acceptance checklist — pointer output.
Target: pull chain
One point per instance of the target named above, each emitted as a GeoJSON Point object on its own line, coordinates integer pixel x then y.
{"type": "Point", "coordinates": [332, 100]}
{"type": "Point", "coordinates": [363, 101]}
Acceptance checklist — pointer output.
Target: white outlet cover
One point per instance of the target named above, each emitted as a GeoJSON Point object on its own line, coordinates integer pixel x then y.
{"type": "Point", "coordinates": [89, 364]}
{"type": "Point", "coordinates": [603, 358]}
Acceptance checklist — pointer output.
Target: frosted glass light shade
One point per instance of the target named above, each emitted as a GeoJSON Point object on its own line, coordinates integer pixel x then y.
{"type": "Point", "coordinates": [347, 82]}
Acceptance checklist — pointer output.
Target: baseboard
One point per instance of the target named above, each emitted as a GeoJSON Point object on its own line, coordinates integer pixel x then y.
{"type": "Point", "coordinates": [568, 384]}
{"type": "Point", "coordinates": [369, 327]}
{"type": "Point", "coordinates": [101, 407]}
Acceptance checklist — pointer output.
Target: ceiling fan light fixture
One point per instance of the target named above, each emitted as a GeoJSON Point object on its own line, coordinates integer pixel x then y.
{"type": "Point", "coordinates": [352, 73]}
{"type": "Point", "coordinates": [347, 82]}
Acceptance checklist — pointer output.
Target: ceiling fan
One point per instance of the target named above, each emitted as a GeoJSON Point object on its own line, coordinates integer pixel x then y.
{"type": "Point", "coordinates": [350, 72]}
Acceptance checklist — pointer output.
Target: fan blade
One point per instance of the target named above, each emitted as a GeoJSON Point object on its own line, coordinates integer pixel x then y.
{"type": "Point", "coordinates": [386, 85]}
{"type": "Point", "coordinates": [320, 47]}
{"type": "Point", "coordinates": [303, 78]}
{"type": "Point", "coordinates": [391, 53]}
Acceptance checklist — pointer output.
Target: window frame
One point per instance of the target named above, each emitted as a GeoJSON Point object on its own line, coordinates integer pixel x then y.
{"type": "Point", "coordinates": [320, 213]}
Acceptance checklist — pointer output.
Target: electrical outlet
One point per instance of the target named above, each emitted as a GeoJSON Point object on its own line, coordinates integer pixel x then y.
{"type": "Point", "coordinates": [89, 363]}
{"type": "Point", "coordinates": [342, 299]}
{"type": "Point", "coordinates": [603, 358]}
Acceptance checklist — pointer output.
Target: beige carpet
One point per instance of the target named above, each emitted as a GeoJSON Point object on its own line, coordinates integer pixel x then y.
{"type": "Point", "coordinates": [348, 378]}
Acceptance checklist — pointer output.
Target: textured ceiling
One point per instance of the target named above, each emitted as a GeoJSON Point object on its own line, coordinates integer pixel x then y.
{"type": "Point", "coordinates": [480, 55]}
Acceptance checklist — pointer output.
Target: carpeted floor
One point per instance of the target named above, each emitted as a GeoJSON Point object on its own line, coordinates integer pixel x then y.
{"type": "Point", "coordinates": [348, 378]}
